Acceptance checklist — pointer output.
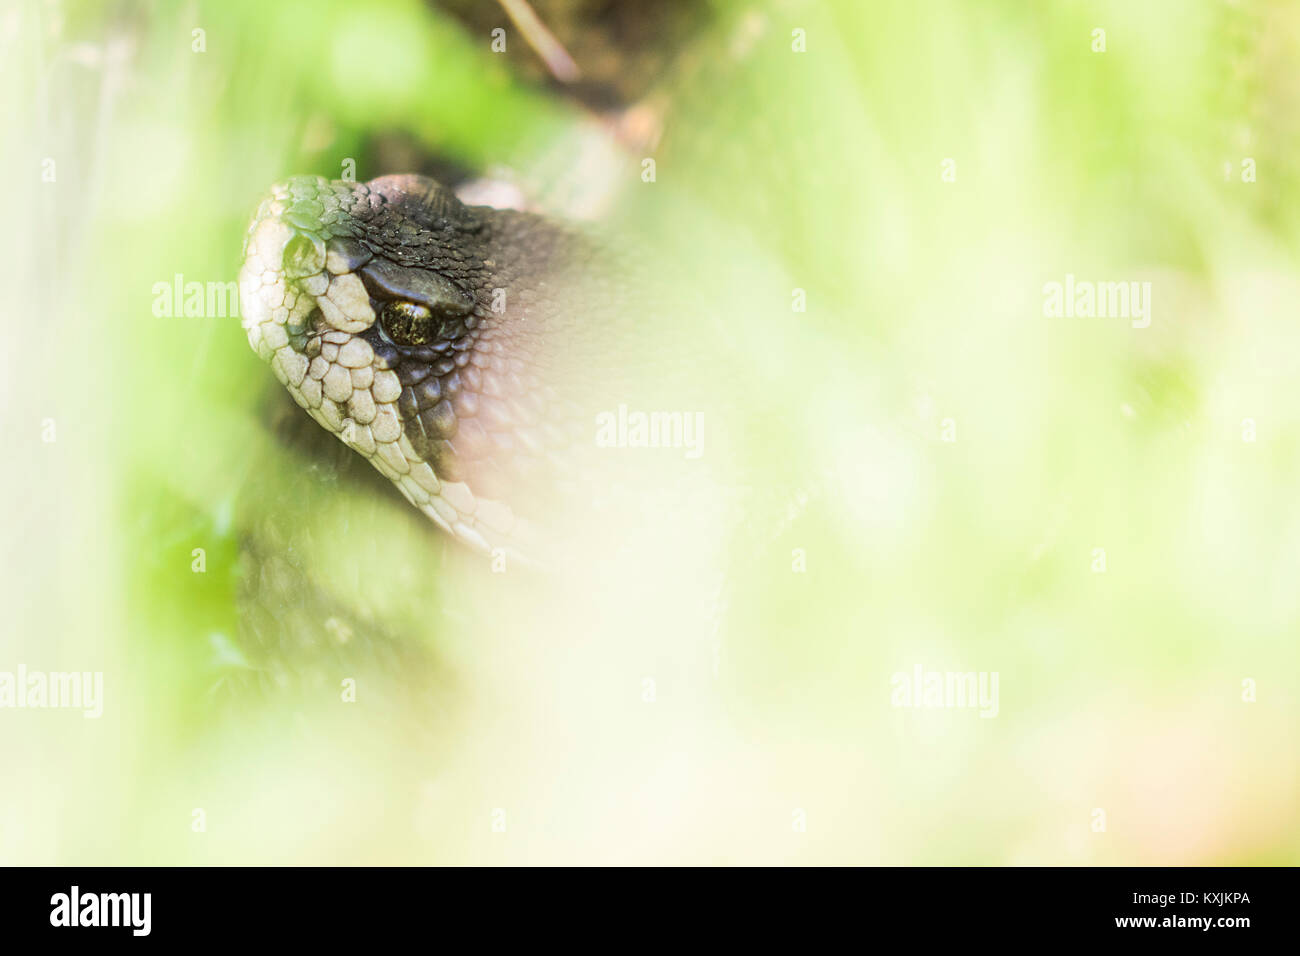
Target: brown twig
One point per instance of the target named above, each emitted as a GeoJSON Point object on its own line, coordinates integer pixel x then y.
{"type": "Point", "coordinates": [542, 40]}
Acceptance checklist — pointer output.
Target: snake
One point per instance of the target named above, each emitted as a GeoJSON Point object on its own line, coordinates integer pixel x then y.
{"type": "Point", "coordinates": [464, 351]}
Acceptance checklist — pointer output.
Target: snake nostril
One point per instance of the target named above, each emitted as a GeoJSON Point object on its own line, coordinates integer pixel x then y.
{"type": "Point", "coordinates": [308, 341]}
{"type": "Point", "coordinates": [304, 255]}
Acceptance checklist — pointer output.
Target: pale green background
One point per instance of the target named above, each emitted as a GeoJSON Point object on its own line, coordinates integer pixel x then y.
{"type": "Point", "coordinates": [822, 170]}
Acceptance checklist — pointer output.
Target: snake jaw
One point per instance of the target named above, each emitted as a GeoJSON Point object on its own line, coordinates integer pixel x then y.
{"type": "Point", "coordinates": [308, 313]}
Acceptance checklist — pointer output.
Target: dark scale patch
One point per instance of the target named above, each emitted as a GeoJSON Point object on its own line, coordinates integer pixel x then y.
{"type": "Point", "coordinates": [407, 405]}
{"type": "Point", "coordinates": [412, 373]}
{"type": "Point", "coordinates": [446, 463]}
{"type": "Point", "coordinates": [429, 392]}
{"type": "Point", "coordinates": [439, 421]}
{"type": "Point", "coordinates": [457, 420]}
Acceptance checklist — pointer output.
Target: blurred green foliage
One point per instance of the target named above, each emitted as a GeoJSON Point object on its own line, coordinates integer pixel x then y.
{"type": "Point", "coordinates": [776, 169]}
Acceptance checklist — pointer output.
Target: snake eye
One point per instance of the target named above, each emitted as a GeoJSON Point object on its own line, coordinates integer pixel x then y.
{"type": "Point", "coordinates": [408, 324]}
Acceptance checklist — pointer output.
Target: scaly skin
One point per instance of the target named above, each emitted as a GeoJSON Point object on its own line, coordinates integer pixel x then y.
{"type": "Point", "coordinates": [487, 427]}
